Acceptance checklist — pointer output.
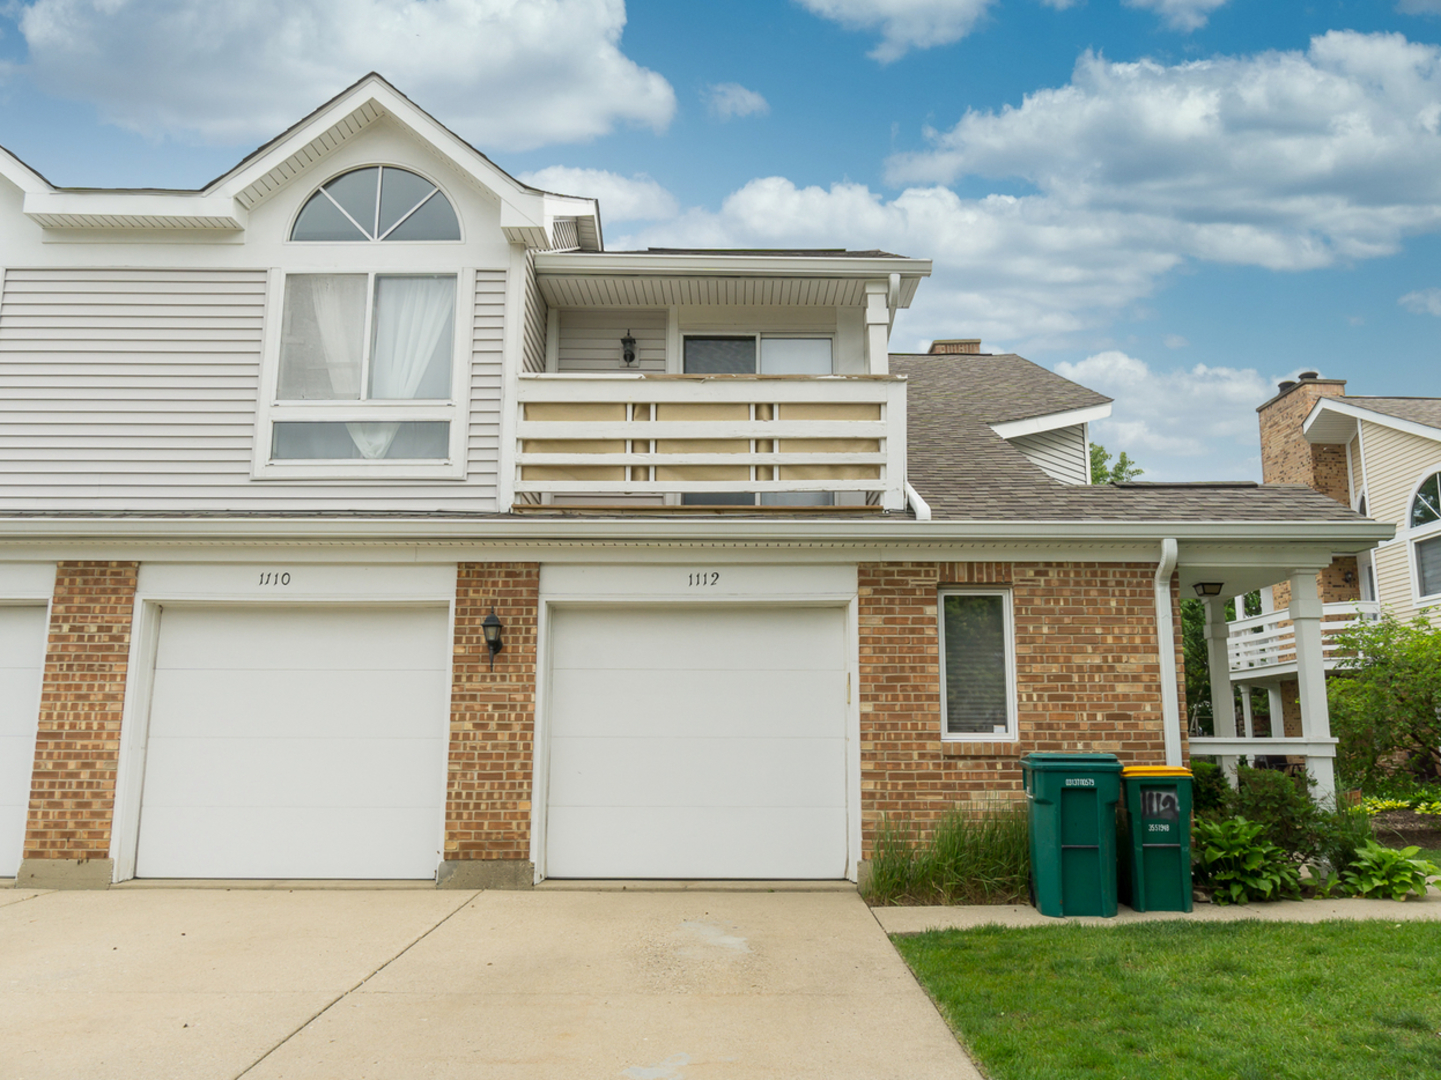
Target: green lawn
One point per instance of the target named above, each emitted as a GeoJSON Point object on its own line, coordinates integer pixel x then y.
{"type": "Point", "coordinates": [1181, 1000]}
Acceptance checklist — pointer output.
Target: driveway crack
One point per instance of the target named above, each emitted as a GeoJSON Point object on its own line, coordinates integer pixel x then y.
{"type": "Point", "coordinates": [346, 993]}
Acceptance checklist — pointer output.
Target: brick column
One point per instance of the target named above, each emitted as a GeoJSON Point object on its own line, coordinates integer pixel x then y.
{"type": "Point", "coordinates": [72, 792]}
{"type": "Point", "coordinates": [492, 730]}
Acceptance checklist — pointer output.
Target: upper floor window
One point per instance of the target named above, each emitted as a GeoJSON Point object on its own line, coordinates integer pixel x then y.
{"type": "Point", "coordinates": [379, 202]}
{"type": "Point", "coordinates": [1426, 506]}
{"type": "Point", "coordinates": [753, 354]}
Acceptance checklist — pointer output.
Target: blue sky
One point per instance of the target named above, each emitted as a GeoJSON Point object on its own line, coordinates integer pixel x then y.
{"type": "Point", "coordinates": [1177, 202]}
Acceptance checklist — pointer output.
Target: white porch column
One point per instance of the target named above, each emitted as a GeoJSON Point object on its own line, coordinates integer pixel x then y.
{"type": "Point", "coordinates": [878, 328]}
{"type": "Point", "coordinates": [1305, 612]}
{"type": "Point", "coordinates": [1218, 662]}
{"type": "Point", "coordinates": [1246, 717]}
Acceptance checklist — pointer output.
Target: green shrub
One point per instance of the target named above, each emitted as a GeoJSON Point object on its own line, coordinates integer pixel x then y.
{"type": "Point", "coordinates": [970, 858]}
{"type": "Point", "coordinates": [1385, 871]}
{"type": "Point", "coordinates": [1340, 834]}
{"type": "Point", "coordinates": [1239, 865]}
{"type": "Point", "coordinates": [1282, 805]}
{"type": "Point", "coordinates": [1210, 791]}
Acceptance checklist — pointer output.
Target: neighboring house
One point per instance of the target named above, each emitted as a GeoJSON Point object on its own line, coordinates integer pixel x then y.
{"type": "Point", "coordinates": [1380, 456]}
{"type": "Point", "coordinates": [362, 517]}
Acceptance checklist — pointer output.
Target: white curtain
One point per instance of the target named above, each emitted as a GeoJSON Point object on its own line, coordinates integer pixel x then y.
{"type": "Point", "coordinates": [339, 303]}
{"type": "Point", "coordinates": [414, 319]}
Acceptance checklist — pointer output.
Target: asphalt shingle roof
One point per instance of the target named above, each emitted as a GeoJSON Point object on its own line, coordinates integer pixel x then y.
{"type": "Point", "coordinates": [1418, 410]}
{"type": "Point", "coordinates": [966, 472]}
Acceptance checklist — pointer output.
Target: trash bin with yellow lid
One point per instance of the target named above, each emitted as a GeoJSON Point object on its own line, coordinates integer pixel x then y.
{"type": "Point", "coordinates": [1072, 800]}
{"type": "Point", "coordinates": [1154, 838]}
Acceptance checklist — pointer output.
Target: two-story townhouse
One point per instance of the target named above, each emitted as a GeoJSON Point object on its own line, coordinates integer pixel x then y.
{"type": "Point", "coordinates": [362, 517]}
{"type": "Point", "coordinates": [1380, 456]}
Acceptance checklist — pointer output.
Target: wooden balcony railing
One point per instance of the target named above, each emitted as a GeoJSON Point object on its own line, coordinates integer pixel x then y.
{"type": "Point", "coordinates": [650, 434]}
{"type": "Point", "coordinates": [1261, 643]}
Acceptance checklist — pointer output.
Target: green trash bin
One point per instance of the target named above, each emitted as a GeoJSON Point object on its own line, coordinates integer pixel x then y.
{"type": "Point", "coordinates": [1071, 799]}
{"type": "Point", "coordinates": [1155, 838]}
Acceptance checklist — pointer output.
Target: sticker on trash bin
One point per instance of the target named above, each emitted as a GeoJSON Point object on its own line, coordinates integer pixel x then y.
{"type": "Point", "coordinates": [1080, 781]}
{"type": "Point", "coordinates": [1160, 804]}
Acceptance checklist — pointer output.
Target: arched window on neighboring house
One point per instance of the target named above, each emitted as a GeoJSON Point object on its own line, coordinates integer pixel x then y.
{"type": "Point", "coordinates": [378, 202]}
{"type": "Point", "coordinates": [1425, 512]}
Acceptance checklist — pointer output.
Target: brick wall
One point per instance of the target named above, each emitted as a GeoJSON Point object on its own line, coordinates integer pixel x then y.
{"type": "Point", "coordinates": [1286, 456]}
{"type": "Point", "coordinates": [492, 715]}
{"type": "Point", "coordinates": [72, 792]}
{"type": "Point", "coordinates": [1086, 670]}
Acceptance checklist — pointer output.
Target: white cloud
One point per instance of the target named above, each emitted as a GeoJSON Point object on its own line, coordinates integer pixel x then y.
{"type": "Point", "coordinates": [1060, 5]}
{"type": "Point", "coordinates": [1174, 341]}
{"type": "Point", "coordinates": [504, 74]}
{"type": "Point", "coordinates": [729, 100]}
{"type": "Point", "coordinates": [1422, 302]}
{"type": "Point", "coordinates": [1168, 420]}
{"type": "Point", "coordinates": [1184, 15]}
{"type": "Point", "coordinates": [1419, 7]}
{"type": "Point", "coordinates": [904, 24]}
{"type": "Point", "coordinates": [634, 198]}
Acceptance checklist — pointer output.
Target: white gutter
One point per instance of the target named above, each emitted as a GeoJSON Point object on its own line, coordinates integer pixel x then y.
{"type": "Point", "coordinates": [707, 529]}
{"type": "Point", "coordinates": [1166, 646]}
{"type": "Point", "coordinates": [918, 504]}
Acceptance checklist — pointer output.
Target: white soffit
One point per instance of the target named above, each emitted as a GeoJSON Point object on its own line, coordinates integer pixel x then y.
{"type": "Point", "coordinates": [1034, 425]}
{"type": "Point", "coordinates": [1333, 422]}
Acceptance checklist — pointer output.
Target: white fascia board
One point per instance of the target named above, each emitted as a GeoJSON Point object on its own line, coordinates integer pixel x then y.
{"type": "Point", "coordinates": [626, 264]}
{"type": "Point", "coordinates": [1034, 425]}
{"type": "Point", "coordinates": [21, 175]}
{"type": "Point", "coordinates": [1344, 537]}
{"type": "Point", "coordinates": [99, 209]}
{"type": "Point", "coordinates": [1318, 427]}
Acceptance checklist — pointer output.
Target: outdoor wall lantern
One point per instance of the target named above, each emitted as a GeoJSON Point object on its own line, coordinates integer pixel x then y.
{"type": "Point", "coordinates": [492, 629]}
{"type": "Point", "coordinates": [1209, 588]}
{"type": "Point", "coordinates": [627, 349]}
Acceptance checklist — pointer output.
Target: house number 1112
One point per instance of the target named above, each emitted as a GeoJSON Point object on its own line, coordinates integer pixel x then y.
{"type": "Point", "coordinates": [704, 579]}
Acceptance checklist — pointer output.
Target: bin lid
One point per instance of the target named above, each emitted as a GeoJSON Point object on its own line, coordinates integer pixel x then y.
{"type": "Point", "coordinates": [1073, 762]}
{"type": "Point", "coordinates": [1154, 770]}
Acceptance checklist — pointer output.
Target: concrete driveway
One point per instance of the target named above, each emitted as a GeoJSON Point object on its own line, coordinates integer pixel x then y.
{"type": "Point", "coordinates": [349, 984]}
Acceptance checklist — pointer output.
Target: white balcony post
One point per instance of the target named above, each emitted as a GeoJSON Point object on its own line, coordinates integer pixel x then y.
{"type": "Point", "coordinates": [1305, 612]}
{"type": "Point", "coordinates": [1247, 718]}
{"type": "Point", "coordinates": [878, 328]}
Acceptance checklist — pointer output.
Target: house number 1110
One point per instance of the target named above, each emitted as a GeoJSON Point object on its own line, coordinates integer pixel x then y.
{"type": "Point", "coordinates": [704, 579]}
{"type": "Point", "coordinates": [275, 579]}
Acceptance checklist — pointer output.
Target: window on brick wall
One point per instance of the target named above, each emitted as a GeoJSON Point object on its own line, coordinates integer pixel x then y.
{"type": "Point", "coordinates": [978, 670]}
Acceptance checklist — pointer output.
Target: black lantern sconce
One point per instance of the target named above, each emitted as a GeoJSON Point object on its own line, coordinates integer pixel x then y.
{"type": "Point", "coordinates": [492, 629]}
{"type": "Point", "coordinates": [627, 349]}
{"type": "Point", "coordinates": [1209, 588]}
{"type": "Point", "coordinates": [1349, 578]}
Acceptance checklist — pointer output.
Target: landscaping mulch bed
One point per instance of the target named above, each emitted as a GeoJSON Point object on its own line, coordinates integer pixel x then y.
{"type": "Point", "coordinates": [1402, 828]}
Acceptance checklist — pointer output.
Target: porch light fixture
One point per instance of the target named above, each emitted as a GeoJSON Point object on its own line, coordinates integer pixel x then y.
{"type": "Point", "coordinates": [1209, 588]}
{"type": "Point", "coordinates": [492, 629]}
{"type": "Point", "coordinates": [627, 349]}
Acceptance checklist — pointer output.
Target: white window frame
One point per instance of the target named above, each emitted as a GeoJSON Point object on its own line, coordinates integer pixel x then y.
{"type": "Point", "coordinates": [758, 335]}
{"type": "Point", "coordinates": [456, 411]}
{"type": "Point", "coordinates": [366, 240]}
{"type": "Point", "coordinates": [1415, 537]}
{"type": "Point", "coordinates": [1013, 725]}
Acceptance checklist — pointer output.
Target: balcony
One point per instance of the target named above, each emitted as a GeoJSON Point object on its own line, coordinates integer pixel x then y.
{"type": "Point", "coordinates": [1263, 647]}
{"type": "Point", "coordinates": [657, 435]}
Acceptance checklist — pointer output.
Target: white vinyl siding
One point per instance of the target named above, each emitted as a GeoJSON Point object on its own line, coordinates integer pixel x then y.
{"type": "Point", "coordinates": [138, 390]}
{"type": "Point", "coordinates": [1061, 453]}
{"type": "Point", "coordinates": [590, 340]}
{"type": "Point", "coordinates": [1396, 461]}
{"type": "Point", "coordinates": [537, 315]}
{"type": "Point", "coordinates": [22, 654]}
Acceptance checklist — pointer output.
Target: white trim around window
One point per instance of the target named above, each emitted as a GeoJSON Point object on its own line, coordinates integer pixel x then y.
{"type": "Point", "coordinates": [455, 411]}
{"type": "Point", "coordinates": [759, 337]}
{"type": "Point", "coordinates": [1430, 537]}
{"type": "Point", "coordinates": [1005, 669]}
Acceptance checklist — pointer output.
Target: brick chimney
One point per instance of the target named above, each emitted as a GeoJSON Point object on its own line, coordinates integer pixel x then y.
{"type": "Point", "coordinates": [1286, 456]}
{"type": "Point", "coordinates": [955, 345]}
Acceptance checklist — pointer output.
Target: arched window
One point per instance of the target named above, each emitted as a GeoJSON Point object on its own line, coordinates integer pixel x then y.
{"type": "Point", "coordinates": [1426, 506]}
{"type": "Point", "coordinates": [378, 202]}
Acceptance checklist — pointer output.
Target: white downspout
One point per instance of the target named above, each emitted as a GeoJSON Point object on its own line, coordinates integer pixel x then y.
{"type": "Point", "coordinates": [918, 504]}
{"type": "Point", "coordinates": [1166, 646]}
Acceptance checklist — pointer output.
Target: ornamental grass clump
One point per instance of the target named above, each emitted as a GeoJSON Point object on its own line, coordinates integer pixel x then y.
{"type": "Point", "coordinates": [977, 857]}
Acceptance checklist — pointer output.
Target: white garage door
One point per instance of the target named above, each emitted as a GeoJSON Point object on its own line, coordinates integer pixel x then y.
{"type": "Point", "coordinates": [697, 743]}
{"type": "Point", "coordinates": [296, 742]}
{"type": "Point", "coordinates": [22, 654]}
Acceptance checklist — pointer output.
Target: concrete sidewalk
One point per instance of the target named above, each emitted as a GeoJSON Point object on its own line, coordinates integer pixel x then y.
{"type": "Point", "coordinates": [348, 984]}
{"type": "Point", "coordinates": [915, 920]}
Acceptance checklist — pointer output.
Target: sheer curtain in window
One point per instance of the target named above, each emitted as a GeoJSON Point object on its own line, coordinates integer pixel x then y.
{"type": "Point", "coordinates": [410, 354]}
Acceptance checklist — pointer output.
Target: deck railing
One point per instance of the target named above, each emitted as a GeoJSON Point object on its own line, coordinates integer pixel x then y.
{"type": "Point", "coordinates": [649, 434]}
{"type": "Point", "coordinates": [1262, 642]}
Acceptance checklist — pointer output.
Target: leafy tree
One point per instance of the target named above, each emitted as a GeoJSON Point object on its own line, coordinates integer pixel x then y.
{"type": "Point", "coordinates": [1103, 472]}
{"type": "Point", "coordinates": [1386, 711]}
{"type": "Point", "coordinates": [1198, 668]}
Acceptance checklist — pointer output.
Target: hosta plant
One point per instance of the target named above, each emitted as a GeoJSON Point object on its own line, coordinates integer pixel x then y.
{"type": "Point", "coordinates": [1239, 866]}
{"type": "Point", "coordinates": [1383, 871]}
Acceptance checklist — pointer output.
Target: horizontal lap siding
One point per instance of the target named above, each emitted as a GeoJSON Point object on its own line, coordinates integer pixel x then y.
{"type": "Point", "coordinates": [537, 316]}
{"type": "Point", "coordinates": [1061, 453]}
{"type": "Point", "coordinates": [590, 340]}
{"type": "Point", "coordinates": [138, 390]}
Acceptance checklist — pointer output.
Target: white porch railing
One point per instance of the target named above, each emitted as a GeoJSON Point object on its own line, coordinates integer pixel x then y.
{"type": "Point", "coordinates": [656, 434]}
{"type": "Point", "coordinates": [1261, 645]}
